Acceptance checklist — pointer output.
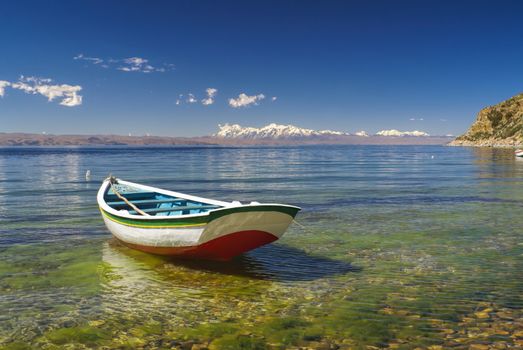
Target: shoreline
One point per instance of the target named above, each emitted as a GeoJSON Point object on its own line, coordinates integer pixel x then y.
{"type": "Point", "coordinates": [485, 143]}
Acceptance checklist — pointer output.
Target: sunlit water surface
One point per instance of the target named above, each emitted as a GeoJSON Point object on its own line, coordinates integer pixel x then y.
{"type": "Point", "coordinates": [399, 247]}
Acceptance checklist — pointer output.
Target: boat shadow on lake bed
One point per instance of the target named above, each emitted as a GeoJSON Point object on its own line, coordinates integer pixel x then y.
{"type": "Point", "coordinates": [276, 262]}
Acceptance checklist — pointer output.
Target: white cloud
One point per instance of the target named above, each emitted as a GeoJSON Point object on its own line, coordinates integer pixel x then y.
{"type": "Point", "coordinates": [179, 100]}
{"type": "Point", "coordinates": [33, 85]}
{"type": "Point", "coordinates": [191, 99]}
{"type": "Point", "coordinates": [72, 100]}
{"type": "Point", "coordinates": [274, 98]}
{"type": "Point", "coordinates": [211, 93]}
{"type": "Point", "coordinates": [244, 100]}
{"type": "Point", "coordinates": [3, 85]}
{"type": "Point", "coordinates": [136, 61]}
{"type": "Point", "coordinates": [136, 64]}
{"type": "Point", "coordinates": [416, 119]}
{"type": "Point", "coordinates": [129, 64]}
{"type": "Point", "coordinates": [93, 60]}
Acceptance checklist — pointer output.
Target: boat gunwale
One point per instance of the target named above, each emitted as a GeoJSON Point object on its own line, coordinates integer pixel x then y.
{"type": "Point", "coordinates": [224, 205]}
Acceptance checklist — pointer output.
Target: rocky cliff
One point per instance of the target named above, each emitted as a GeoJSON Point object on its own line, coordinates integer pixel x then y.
{"type": "Point", "coordinates": [500, 125]}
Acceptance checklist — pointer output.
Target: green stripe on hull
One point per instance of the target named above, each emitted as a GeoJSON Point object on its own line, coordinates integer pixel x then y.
{"type": "Point", "coordinates": [291, 211]}
{"type": "Point", "coordinates": [197, 220]}
{"type": "Point", "coordinates": [180, 222]}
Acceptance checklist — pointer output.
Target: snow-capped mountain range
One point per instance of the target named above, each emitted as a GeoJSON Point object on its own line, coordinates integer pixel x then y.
{"type": "Point", "coordinates": [279, 131]}
{"type": "Point", "coordinates": [272, 131]}
{"type": "Point", "coordinates": [394, 132]}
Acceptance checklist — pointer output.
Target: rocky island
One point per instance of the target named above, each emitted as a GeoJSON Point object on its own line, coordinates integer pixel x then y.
{"type": "Point", "coordinates": [500, 125]}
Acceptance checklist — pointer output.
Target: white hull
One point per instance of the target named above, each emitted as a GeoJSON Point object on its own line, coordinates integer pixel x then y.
{"type": "Point", "coordinates": [274, 223]}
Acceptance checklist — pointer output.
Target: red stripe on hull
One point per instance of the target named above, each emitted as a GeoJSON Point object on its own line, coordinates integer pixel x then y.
{"type": "Point", "coordinates": [223, 248]}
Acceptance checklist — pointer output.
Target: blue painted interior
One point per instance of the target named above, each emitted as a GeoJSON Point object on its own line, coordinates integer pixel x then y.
{"type": "Point", "coordinates": [157, 204]}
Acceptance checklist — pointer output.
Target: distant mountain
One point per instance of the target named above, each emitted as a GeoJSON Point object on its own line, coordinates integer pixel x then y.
{"type": "Point", "coordinates": [232, 135]}
{"type": "Point", "coordinates": [271, 131]}
{"type": "Point", "coordinates": [25, 139]}
{"type": "Point", "coordinates": [278, 131]}
{"type": "Point", "coordinates": [498, 125]}
{"type": "Point", "coordinates": [361, 133]}
{"type": "Point", "coordinates": [397, 133]}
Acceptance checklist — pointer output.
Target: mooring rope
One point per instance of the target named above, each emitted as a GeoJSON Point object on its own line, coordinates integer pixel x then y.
{"type": "Point", "coordinates": [303, 227]}
{"type": "Point", "coordinates": [308, 230]}
{"type": "Point", "coordinates": [113, 181]}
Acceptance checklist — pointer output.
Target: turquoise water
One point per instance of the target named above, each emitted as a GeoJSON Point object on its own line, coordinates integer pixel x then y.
{"type": "Point", "coordinates": [401, 247]}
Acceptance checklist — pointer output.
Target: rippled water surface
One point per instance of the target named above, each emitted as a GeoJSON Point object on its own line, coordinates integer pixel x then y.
{"type": "Point", "coordinates": [398, 247]}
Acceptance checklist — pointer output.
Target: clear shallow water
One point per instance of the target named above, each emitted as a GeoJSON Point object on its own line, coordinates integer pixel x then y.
{"type": "Point", "coordinates": [402, 247]}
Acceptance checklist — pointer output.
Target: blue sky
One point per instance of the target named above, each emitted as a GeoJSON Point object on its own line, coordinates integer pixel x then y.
{"type": "Point", "coordinates": [341, 65]}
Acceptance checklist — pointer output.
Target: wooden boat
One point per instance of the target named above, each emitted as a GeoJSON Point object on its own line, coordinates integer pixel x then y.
{"type": "Point", "coordinates": [171, 223]}
{"type": "Point", "coordinates": [519, 153]}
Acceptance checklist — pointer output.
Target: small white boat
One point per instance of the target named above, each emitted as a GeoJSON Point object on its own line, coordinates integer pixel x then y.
{"type": "Point", "coordinates": [171, 223]}
{"type": "Point", "coordinates": [519, 153]}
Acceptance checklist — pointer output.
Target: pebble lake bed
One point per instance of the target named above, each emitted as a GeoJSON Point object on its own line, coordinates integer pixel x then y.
{"type": "Point", "coordinates": [398, 247]}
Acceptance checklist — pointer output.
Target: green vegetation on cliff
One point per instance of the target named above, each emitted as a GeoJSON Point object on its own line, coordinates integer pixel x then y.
{"type": "Point", "coordinates": [501, 124]}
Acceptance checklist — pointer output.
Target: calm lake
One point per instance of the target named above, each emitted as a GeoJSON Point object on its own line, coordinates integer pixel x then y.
{"type": "Point", "coordinates": [399, 247]}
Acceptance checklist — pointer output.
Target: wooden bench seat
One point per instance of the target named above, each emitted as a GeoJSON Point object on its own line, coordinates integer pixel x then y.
{"type": "Point", "coordinates": [147, 201]}
{"type": "Point", "coordinates": [180, 208]}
